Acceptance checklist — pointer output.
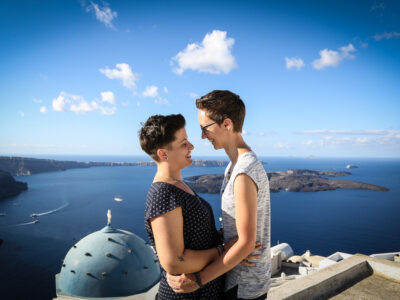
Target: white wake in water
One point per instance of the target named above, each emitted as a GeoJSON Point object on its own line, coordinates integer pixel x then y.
{"type": "Point", "coordinates": [52, 211]}
{"type": "Point", "coordinates": [65, 204]}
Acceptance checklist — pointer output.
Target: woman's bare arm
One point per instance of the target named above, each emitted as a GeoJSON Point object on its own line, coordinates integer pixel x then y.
{"type": "Point", "coordinates": [245, 191]}
{"type": "Point", "coordinates": [168, 237]}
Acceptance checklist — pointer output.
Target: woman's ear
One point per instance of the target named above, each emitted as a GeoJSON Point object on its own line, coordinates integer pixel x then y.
{"type": "Point", "coordinates": [162, 154]}
{"type": "Point", "coordinates": [227, 124]}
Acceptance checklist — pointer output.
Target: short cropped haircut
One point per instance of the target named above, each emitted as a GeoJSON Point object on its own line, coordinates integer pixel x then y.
{"type": "Point", "coordinates": [222, 104]}
{"type": "Point", "coordinates": [158, 131]}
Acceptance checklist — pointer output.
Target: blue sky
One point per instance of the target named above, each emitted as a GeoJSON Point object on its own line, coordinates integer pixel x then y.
{"type": "Point", "coordinates": [319, 78]}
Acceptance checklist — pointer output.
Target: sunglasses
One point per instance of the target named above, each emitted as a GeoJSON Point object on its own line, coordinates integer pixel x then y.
{"type": "Point", "coordinates": [204, 128]}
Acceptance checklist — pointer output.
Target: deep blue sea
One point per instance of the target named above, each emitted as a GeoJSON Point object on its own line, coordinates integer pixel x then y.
{"type": "Point", "coordinates": [73, 203]}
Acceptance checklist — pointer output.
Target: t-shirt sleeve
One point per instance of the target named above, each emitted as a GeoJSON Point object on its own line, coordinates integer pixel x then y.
{"type": "Point", "coordinates": [248, 168]}
{"type": "Point", "coordinates": [160, 200]}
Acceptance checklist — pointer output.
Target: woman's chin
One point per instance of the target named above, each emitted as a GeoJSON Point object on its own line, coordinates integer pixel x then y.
{"type": "Point", "coordinates": [189, 161]}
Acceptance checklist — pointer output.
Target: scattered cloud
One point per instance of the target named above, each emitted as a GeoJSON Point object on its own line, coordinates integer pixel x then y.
{"type": "Point", "coordinates": [294, 62]}
{"type": "Point", "coordinates": [43, 110]}
{"type": "Point", "coordinates": [351, 132]}
{"type": "Point", "coordinates": [245, 132]}
{"type": "Point", "coordinates": [104, 110]}
{"type": "Point", "coordinates": [109, 97]}
{"type": "Point", "coordinates": [308, 143]}
{"type": "Point", "coordinates": [37, 100]}
{"type": "Point", "coordinates": [165, 90]}
{"type": "Point", "coordinates": [103, 14]}
{"type": "Point", "coordinates": [22, 114]}
{"type": "Point", "coordinates": [79, 105]}
{"type": "Point", "coordinates": [193, 95]}
{"type": "Point", "coordinates": [261, 134]}
{"type": "Point", "coordinates": [151, 91]}
{"type": "Point", "coordinates": [213, 55]}
{"type": "Point", "coordinates": [161, 101]}
{"type": "Point", "coordinates": [355, 137]}
{"type": "Point", "coordinates": [282, 146]}
{"type": "Point", "coordinates": [386, 36]}
{"type": "Point", "coordinates": [122, 72]}
{"type": "Point", "coordinates": [378, 8]}
{"type": "Point", "coordinates": [332, 58]}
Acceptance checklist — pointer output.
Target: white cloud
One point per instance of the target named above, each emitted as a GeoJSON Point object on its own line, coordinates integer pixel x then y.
{"type": "Point", "coordinates": [245, 132]}
{"type": "Point", "coordinates": [103, 14]}
{"type": "Point", "coordinates": [109, 97]}
{"type": "Point", "coordinates": [37, 100]}
{"type": "Point", "coordinates": [294, 62]}
{"type": "Point", "coordinates": [308, 143]}
{"type": "Point", "coordinates": [213, 55]}
{"type": "Point", "coordinates": [79, 105]}
{"type": "Point", "coordinates": [331, 58]}
{"type": "Point", "coordinates": [165, 90]}
{"type": "Point", "coordinates": [351, 132]}
{"type": "Point", "coordinates": [387, 36]}
{"type": "Point", "coordinates": [346, 51]}
{"type": "Point", "coordinates": [261, 134]}
{"type": "Point", "coordinates": [22, 114]}
{"type": "Point", "coordinates": [161, 101]}
{"type": "Point", "coordinates": [82, 107]}
{"type": "Point", "coordinates": [150, 91]}
{"type": "Point", "coordinates": [123, 72]}
{"type": "Point", "coordinates": [60, 102]}
{"type": "Point", "coordinates": [281, 146]}
{"type": "Point", "coordinates": [193, 95]}
{"type": "Point", "coordinates": [43, 110]}
{"type": "Point", "coordinates": [355, 137]}
{"type": "Point", "coordinates": [104, 110]}
{"type": "Point", "coordinates": [362, 140]}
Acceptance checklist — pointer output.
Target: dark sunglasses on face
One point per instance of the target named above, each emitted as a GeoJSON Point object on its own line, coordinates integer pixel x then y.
{"type": "Point", "coordinates": [204, 128]}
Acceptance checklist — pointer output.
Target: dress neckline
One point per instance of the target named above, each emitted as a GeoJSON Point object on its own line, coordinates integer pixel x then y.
{"type": "Point", "coordinates": [194, 195]}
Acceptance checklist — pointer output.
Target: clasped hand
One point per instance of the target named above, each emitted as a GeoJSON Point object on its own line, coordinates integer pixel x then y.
{"type": "Point", "coordinates": [186, 283]}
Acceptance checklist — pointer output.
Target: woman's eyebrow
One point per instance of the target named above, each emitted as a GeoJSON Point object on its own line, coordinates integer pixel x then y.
{"type": "Point", "coordinates": [185, 139]}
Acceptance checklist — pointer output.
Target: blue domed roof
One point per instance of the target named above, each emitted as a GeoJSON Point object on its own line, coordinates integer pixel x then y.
{"type": "Point", "coordinates": [108, 263]}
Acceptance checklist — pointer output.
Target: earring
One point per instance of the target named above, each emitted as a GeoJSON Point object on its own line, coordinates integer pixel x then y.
{"type": "Point", "coordinates": [166, 157]}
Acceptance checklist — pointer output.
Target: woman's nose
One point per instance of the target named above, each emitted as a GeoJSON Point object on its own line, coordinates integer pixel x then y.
{"type": "Point", "coordinates": [191, 147]}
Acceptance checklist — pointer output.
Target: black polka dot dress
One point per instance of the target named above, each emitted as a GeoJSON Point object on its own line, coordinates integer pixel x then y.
{"type": "Point", "coordinates": [199, 232]}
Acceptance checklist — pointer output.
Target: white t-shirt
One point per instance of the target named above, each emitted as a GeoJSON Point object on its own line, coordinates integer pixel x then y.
{"type": "Point", "coordinates": [252, 281]}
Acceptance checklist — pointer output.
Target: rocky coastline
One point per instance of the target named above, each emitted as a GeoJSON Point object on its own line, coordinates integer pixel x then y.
{"type": "Point", "coordinates": [9, 187]}
{"type": "Point", "coordinates": [18, 166]}
{"type": "Point", "coordinates": [295, 180]}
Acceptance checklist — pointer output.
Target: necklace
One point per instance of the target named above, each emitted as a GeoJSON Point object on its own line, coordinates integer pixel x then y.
{"type": "Point", "coordinates": [183, 185]}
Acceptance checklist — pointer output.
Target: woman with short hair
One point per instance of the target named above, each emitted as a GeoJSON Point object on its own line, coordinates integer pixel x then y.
{"type": "Point", "coordinates": [179, 223]}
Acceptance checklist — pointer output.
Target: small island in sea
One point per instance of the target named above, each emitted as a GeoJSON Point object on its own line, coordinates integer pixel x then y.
{"type": "Point", "coordinates": [295, 180]}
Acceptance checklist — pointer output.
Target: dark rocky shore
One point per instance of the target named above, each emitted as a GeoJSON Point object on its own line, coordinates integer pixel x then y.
{"type": "Point", "coordinates": [26, 166]}
{"type": "Point", "coordinates": [19, 166]}
{"type": "Point", "coordinates": [292, 180]}
{"type": "Point", "coordinates": [9, 187]}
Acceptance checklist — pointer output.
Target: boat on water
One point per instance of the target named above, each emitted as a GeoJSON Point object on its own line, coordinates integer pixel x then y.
{"type": "Point", "coordinates": [118, 198]}
{"type": "Point", "coordinates": [3, 214]}
{"type": "Point", "coordinates": [34, 215]}
{"type": "Point", "coordinates": [36, 221]}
